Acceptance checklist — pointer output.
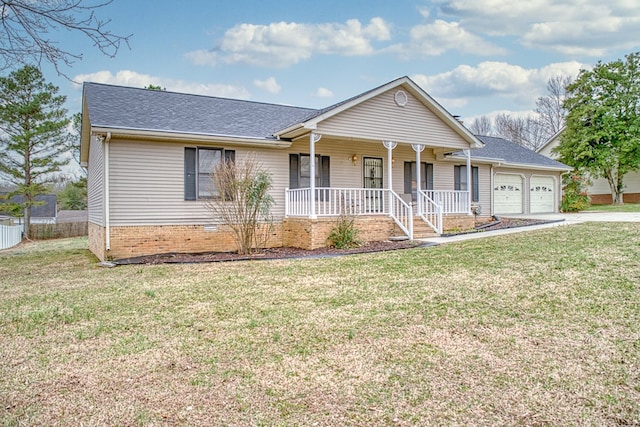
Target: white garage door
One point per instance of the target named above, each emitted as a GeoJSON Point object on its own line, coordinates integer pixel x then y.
{"type": "Point", "coordinates": [507, 194]}
{"type": "Point", "coordinates": [542, 194]}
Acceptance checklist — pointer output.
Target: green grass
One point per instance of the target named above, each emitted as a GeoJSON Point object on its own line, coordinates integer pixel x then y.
{"type": "Point", "coordinates": [538, 328]}
{"type": "Point", "coordinates": [627, 207]}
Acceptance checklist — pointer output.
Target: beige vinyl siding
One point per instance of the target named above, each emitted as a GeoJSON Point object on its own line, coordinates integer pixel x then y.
{"type": "Point", "coordinates": [147, 183]}
{"type": "Point", "coordinates": [345, 174]}
{"type": "Point", "coordinates": [546, 151]}
{"type": "Point", "coordinates": [147, 178]}
{"type": "Point", "coordinates": [527, 174]}
{"type": "Point", "coordinates": [381, 119]}
{"type": "Point", "coordinates": [95, 182]}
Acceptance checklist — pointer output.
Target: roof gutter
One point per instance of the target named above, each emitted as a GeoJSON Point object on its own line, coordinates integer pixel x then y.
{"type": "Point", "coordinates": [119, 133]}
{"type": "Point", "coordinates": [505, 164]}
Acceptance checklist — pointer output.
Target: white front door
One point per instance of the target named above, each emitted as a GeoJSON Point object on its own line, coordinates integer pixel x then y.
{"type": "Point", "coordinates": [542, 194]}
{"type": "Point", "coordinates": [507, 194]}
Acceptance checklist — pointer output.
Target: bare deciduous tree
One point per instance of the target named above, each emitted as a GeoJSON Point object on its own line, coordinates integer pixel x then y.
{"type": "Point", "coordinates": [26, 26]}
{"type": "Point", "coordinates": [481, 126]}
{"type": "Point", "coordinates": [242, 202]}
{"type": "Point", "coordinates": [550, 107]}
{"type": "Point", "coordinates": [527, 131]}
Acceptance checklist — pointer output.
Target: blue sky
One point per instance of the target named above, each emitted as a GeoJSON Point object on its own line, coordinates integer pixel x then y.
{"type": "Point", "coordinates": [475, 57]}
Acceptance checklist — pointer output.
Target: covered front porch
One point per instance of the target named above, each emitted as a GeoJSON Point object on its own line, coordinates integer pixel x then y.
{"type": "Point", "coordinates": [431, 206]}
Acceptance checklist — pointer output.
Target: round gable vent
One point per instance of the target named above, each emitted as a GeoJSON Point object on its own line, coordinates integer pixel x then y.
{"type": "Point", "coordinates": [401, 98]}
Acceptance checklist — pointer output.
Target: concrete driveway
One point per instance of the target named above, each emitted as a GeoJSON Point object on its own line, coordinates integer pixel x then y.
{"type": "Point", "coordinates": [575, 218]}
{"type": "Point", "coordinates": [561, 219]}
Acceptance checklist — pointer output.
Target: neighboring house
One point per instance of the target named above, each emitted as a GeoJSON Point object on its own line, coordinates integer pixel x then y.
{"type": "Point", "coordinates": [599, 190]}
{"type": "Point", "coordinates": [45, 213]}
{"type": "Point", "coordinates": [149, 155]}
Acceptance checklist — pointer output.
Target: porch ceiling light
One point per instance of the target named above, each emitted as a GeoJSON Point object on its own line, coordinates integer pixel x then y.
{"type": "Point", "coordinates": [354, 159]}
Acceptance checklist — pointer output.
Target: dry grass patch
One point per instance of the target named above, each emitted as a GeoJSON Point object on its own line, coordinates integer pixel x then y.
{"type": "Point", "coordinates": [541, 328]}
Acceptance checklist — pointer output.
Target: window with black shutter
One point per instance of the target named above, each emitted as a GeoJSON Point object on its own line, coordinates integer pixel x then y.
{"type": "Point", "coordinates": [300, 171]}
{"type": "Point", "coordinates": [410, 178]}
{"type": "Point", "coordinates": [199, 164]}
{"type": "Point", "coordinates": [460, 181]}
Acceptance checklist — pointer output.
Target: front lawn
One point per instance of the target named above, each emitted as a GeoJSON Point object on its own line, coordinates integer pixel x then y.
{"type": "Point", "coordinates": [537, 328]}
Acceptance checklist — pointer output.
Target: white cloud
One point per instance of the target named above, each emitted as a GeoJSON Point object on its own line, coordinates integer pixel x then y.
{"type": "Point", "coordinates": [518, 84]}
{"type": "Point", "coordinates": [440, 36]}
{"type": "Point", "coordinates": [585, 28]}
{"type": "Point", "coordinates": [135, 79]}
{"type": "Point", "coordinates": [270, 85]}
{"type": "Point", "coordinates": [323, 92]}
{"type": "Point", "coordinates": [281, 44]}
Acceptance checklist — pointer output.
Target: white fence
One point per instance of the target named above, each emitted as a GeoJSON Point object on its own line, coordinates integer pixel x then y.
{"type": "Point", "coordinates": [10, 235]}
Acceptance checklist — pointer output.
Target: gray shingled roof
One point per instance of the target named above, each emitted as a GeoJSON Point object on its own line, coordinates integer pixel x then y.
{"type": "Point", "coordinates": [511, 153]}
{"type": "Point", "coordinates": [143, 109]}
{"type": "Point", "coordinates": [122, 107]}
{"type": "Point", "coordinates": [46, 210]}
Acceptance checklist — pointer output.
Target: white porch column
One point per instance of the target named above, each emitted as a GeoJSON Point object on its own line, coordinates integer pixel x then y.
{"type": "Point", "coordinates": [390, 145]}
{"type": "Point", "coordinates": [313, 138]}
{"type": "Point", "coordinates": [418, 149]}
{"type": "Point", "coordinates": [469, 184]}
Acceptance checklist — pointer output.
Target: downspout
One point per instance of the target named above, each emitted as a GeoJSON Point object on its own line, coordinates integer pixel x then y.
{"type": "Point", "coordinates": [469, 183]}
{"type": "Point", "coordinates": [107, 238]}
{"type": "Point", "coordinates": [491, 193]}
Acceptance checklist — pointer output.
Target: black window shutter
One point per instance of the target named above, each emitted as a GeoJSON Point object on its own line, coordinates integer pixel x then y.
{"type": "Point", "coordinates": [429, 176]}
{"type": "Point", "coordinates": [189, 173]}
{"type": "Point", "coordinates": [476, 188]}
{"type": "Point", "coordinates": [325, 175]}
{"type": "Point", "coordinates": [230, 156]}
{"type": "Point", "coordinates": [407, 178]}
{"type": "Point", "coordinates": [294, 170]}
{"type": "Point", "coordinates": [456, 177]}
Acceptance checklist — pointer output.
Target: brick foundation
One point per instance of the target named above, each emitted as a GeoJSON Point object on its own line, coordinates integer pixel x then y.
{"type": "Point", "coordinates": [461, 222]}
{"type": "Point", "coordinates": [308, 233]}
{"type": "Point", "coordinates": [132, 241]}
{"type": "Point", "coordinates": [96, 240]}
{"type": "Point", "coordinates": [605, 199]}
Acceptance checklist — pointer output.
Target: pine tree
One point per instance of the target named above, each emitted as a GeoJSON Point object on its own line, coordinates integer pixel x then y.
{"type": "Point", "coordinates": [33, 134]}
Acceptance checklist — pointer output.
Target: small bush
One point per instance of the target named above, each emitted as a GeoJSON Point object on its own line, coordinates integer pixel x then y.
{"type": "Point", "coordinates": [574, 197]}
{"type": "Point", "coordinates": [345, 234]}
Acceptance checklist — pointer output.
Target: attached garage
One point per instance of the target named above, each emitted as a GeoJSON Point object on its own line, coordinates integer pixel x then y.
{"type": "Point", "coordinates": [542, 194]}
{"type": "Point", "coordinates": [507, 194]}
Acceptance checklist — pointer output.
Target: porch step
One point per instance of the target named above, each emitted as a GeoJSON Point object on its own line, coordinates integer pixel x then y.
{"type": "Point", "coordinates": [421, 230]}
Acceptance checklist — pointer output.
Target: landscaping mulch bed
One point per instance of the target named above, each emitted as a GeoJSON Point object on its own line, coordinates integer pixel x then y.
{"type": "Point", "coordinates": [287, 252]}
{"type": "Point", "coordinates": [272, 253]}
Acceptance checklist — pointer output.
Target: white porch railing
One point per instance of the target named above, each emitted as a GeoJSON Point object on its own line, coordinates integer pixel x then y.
{"type": "Point", "coordinates": [373, 201]}
{"type": "Point", "coordinates": [10, 235]}
{"type": "Point", "coordinates": [402, 213]}
{"type": "Point", "coordinates": [452, 202]}
{"type": "Point", "coordinates": [337, 201]}
{"type": "Point", "coordinates": [430, 212]}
